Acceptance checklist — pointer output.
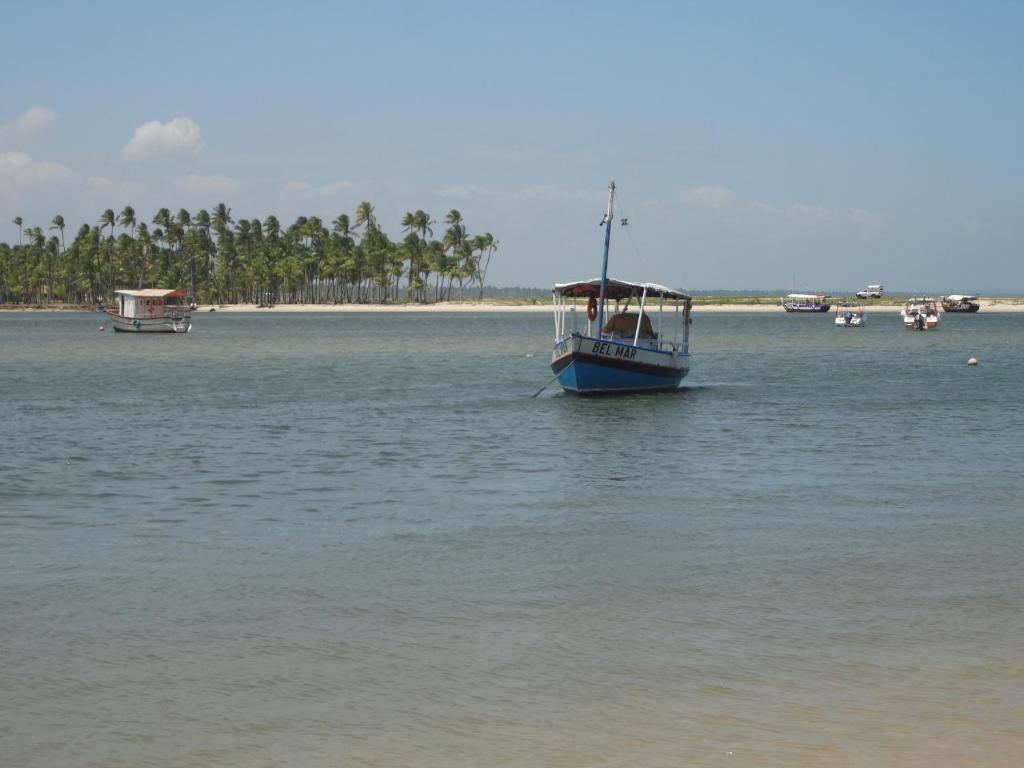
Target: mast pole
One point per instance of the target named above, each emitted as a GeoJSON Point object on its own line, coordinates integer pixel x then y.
{"type": "Point", "coordinates": [604, 264]}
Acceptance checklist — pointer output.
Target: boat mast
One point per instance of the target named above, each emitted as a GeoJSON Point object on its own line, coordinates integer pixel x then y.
{"type": "Point", "coordinates": [604, 264]}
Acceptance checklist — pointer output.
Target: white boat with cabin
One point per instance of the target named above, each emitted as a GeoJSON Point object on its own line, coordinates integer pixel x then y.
{"type": "Point", "coordinates": [960, 302]}
{"type": "Point", "coordinates": [806, 302]}
{"type": "Point", "coordinates": [151, 310]}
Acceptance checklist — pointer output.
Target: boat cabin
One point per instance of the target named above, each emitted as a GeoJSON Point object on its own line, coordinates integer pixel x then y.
{"type": "Point", "coordinates": [614, 321]}
{"type": "Point", "coordinates": [623, 325]}
{"type": "Point", "coordinates": [961, 302]}
{"type": "Point", "coordinates": [806, 302]}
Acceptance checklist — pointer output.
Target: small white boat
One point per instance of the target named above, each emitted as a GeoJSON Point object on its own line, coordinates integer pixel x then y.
{"type": "Point", "coordinates": [850, 316]}
{"type": "Point", "coordinates": [806, 302]}
{"type": "Point", "coordinates": [920, 314]}
{"type": "Point", "coordinates": [616, 350]}
{"type": "Point", "coordinates": [151, 310]}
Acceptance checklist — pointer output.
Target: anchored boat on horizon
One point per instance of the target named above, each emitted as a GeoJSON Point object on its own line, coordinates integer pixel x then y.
{"type": "Point", "coordinates": [920, 314]}
{"type": "Point", "coordinates": [151, 310]}
{"type": "Point", "coordinates": [960, 302]}
{"type": "Point", "coordinates": [616, 350]}
{"type": "Point", "coordinates": [806, 302]}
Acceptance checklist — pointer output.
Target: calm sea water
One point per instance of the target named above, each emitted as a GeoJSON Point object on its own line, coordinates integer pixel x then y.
{"type": "Point", "coordinates": [356, 540]}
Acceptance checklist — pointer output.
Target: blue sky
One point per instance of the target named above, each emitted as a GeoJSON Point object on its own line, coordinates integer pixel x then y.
{"type": "Point", "coordinates": [755, 145]}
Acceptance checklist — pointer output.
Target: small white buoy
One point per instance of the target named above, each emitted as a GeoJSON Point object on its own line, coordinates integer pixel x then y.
{"type": "Point", "coordinates": [972, 361]}
{"type": "Point", "coordinates": [100, 328]}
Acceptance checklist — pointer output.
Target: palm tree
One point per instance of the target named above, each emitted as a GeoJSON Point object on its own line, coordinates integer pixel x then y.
{"type": "Point", "coordinates": [163, 219]}
{"type": "Point", "coordinates": [365, 216]}
{"type": "Point", "coordinates": [127, 219]}
{"type": "Point", "coordinates": [201, 228]}
{"type": "Point", "coordinates": [341, 225]}
{"type": "Point", "coordinates": [58, 223]}
{"type": "Point", "coordinates": [454, 237]}
{"type": "Point", "coordinates": [424, 226]}
{"type": "Point", "coordinates": [220, 219]}
{"type": "Point", "coordinates": [108, 220]}
{"type": "Point", "coordinates": [18, 221]}
{"type": "Point", "coordinates": [145, 241]}
{"type": "Point", "coordinates": [484, 242]}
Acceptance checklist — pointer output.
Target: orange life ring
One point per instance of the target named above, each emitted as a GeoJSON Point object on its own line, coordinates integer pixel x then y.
{"type": "Point", "coordinates": [592, 309]}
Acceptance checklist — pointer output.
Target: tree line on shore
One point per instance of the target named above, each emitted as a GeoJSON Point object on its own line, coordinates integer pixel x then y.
{"type": "Point", "coordinates": [219, 260]}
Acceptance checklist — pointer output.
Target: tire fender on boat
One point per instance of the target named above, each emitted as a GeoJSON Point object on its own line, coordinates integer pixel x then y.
{"type": "Point", "coordinates": [136, 323]}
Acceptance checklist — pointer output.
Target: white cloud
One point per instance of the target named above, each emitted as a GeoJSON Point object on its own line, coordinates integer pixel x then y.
{"type": "Point", "coordinates": [810, 215]}
{"type": "Point", "coordinates": [305, 190]}
{"type": "Point", "coordinates": [103, 189]}
{"type": "Point", "coordinates": [206, 185]}
{"type": "Point", "coordinates": [30, 123]}
{"type": "Point", "coordinates": [180, 136]}
{"type": "Point", "coordinates": [709, 196]}
{"type": "Point", "coordinates": [800, 214]}
{"type": "Point", "coordinates": [19, 171]}
{"type": "Point", "coordinates": [329, 190]}
{"type": "Point", "coordinates": [532, 192]}
{"type": "Point", "coordinates": [298, 189]}
{"type": "Point", "coordinates": [462, 191]}
{"type": "Point", "coordinates": [551, 191]}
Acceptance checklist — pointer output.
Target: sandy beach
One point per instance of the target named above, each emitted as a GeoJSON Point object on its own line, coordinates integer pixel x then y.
{"type": "Point", "coordinates": [1014, 304]}
{"type": "Point", "coordinates": [1006, 304]}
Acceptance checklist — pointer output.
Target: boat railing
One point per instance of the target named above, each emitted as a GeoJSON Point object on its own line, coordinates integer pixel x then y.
{"type": "Point", "coordinates": [659, 333]}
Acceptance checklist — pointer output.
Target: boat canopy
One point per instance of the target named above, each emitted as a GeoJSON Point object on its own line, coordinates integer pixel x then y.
{"type": "Point", "coordinates": [807, 296]}
{"type": "Point", "coordinates": [961, 297]}
{"type": "Point", "coordinates": [616, 289]}
{"type": "Point", "coordinates": [153, 293]}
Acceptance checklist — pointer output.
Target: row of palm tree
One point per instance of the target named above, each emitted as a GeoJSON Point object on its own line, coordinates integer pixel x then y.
{"type": "Point", "coordinates": [220, 260]}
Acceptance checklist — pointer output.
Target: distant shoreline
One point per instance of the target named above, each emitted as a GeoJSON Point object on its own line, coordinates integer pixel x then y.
{"type": "Point", "coordinates": [998, 305]}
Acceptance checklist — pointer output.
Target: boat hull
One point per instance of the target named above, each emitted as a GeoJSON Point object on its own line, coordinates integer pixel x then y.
{"type": "Point", "coordinates": [791, 307]}
{"type": "Point", "coordinates": [165, 324]}
{"type": "Point", "coordinates": [930, 323]}
{"type": "Point", "coordinates": [589, 366]}
{"type": "Point", "coordinates": [851, 321]}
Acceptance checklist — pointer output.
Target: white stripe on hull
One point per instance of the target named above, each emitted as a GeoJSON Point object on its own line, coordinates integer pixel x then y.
{"type": "Point", "coordinates": [619, 351]}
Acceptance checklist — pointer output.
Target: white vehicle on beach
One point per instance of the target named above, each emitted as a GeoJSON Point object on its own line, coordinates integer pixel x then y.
{"type": "Point", "coordinates": [871, 292]}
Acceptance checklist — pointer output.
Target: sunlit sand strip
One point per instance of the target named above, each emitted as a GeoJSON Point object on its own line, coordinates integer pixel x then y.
{"type": "Point", "coordinates": [987, 305]}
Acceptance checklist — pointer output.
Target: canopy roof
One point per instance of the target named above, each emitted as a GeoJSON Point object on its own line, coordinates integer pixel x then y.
{"type": "Point", "coordinates": [807, 296]}
{"type": "Point", "coordinates": [154, 293]}
{"type": "Point", "coordinates": [961, 297]}
{"type": "Point", "coordinates": [615, 289]}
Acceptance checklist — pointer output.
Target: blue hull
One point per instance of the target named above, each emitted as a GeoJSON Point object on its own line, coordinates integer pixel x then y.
{"type": "Point", "coordinates": [587, 377]}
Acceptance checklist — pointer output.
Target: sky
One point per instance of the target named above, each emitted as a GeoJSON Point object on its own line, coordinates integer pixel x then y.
{"type": "Point", "coordinates": [755, 145]}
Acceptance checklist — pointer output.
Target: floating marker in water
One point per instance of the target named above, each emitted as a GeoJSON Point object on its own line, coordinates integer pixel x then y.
{"type": "Point", "coordinates": [972, 361]}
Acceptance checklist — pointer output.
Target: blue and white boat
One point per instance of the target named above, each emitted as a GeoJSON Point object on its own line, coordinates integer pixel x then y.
{"type": "Point", "coordinates": [617, 350]}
